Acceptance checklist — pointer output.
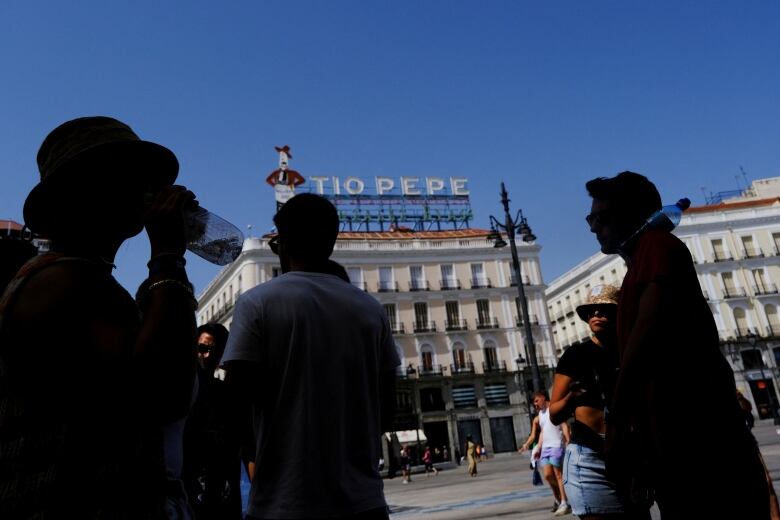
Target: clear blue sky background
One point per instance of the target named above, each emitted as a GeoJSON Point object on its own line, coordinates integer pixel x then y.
{"type": "Point", "coordinates": [542, 95]}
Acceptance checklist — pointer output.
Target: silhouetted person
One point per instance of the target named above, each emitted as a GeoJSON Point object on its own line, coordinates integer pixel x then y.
{"type": "Point", "coordinates": [316, 356]}
{"type": "Point", "coordinates": [89, 376]}
{"type": "Point", "coordinates": [212, 462]}
{"type": "Point", "coordinates": [672, 372]}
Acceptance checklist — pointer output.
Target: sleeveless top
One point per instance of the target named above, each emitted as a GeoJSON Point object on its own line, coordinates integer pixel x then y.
{"type": "Point", "coordinates": [552, 437]}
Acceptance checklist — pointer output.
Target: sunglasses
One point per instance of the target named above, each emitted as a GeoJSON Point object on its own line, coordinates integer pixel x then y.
{"type": "Point", "coordinates": [606, 311]}
{"type": "Point", "coordinates": [204, 349]}
{"type": "Point", "coordinates": [601, 217]}
{"type": "Point", "coordinates": [274, 245]}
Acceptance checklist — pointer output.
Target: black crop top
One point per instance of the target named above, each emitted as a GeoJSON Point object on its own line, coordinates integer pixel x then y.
{"type": "Point", "coordinates": [595, 368]}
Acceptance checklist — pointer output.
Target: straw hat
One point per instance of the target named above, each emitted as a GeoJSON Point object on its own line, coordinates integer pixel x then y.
{"type": "Point", "coordinates": [69, 154]}
{"type": "Point", "coordinates": [599, 295]}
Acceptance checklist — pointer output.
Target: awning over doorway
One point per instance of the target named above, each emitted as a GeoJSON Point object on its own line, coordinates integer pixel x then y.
{"type": "Point", "coordinates": [408, 436]}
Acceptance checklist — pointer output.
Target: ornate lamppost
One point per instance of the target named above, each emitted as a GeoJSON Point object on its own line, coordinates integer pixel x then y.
{"type": "Point", "coordinates": [511, 226]}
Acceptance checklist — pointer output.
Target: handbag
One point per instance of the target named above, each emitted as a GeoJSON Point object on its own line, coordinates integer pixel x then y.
{"type": "Point", "coordinates": [536, 477]}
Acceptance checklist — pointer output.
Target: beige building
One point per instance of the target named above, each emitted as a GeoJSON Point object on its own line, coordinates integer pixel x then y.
{"type": "Point", "coordinates": [450, 297]}
{"type": "Point", "coordinates": [735, 242]}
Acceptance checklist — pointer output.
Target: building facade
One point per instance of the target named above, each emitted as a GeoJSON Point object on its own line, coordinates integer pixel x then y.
{"type": "Point", "coordinates": [451, 300]}
{"type": "Point", "coordinates": [735, 244]}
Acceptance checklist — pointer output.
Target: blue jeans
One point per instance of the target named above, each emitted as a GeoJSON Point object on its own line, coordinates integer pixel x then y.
{"type": "Point", "coordinates": [587, 488]}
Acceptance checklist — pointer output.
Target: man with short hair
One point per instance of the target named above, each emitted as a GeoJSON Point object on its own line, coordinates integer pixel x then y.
{"type": "Point", "coordinates": [551, 439]}
{"type": "Point", "coordinates": [317, 358]}
{"type": "Point", "coordinates": [669, 354]}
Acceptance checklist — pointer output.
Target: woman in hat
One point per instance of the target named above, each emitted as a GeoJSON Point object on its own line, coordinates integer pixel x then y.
{"type": "Point", "coordinates": [88, 374]}
{"type": "Point", "coordinates": [582, 387]}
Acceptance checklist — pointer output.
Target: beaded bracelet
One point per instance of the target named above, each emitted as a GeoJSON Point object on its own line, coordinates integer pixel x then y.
{"type": "Point", "coordinates": [144, 291]}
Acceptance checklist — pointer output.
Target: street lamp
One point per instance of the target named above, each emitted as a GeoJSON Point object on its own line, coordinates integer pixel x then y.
{"type": "Point", "coordinates": [520, 225]}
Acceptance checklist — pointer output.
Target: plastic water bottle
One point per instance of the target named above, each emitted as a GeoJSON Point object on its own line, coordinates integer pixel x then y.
{"type": "Point", "coordinates": [668, 217]}
{"type": "Point", "coordinates": [665, 219]}
{"type": "Point", "coordinates": [212, 238]}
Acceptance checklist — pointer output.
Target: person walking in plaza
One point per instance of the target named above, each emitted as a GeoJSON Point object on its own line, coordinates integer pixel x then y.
{"type": "Point", "coordinates": [667, 341]}
{"type": "Point", "coordinates": [584, 379]}
{"type": "Point", "coordinates": [89, 376]}
{"type": "Point", "coordinates": [428, 461]}
{"type": "Point", "coordinates": [406, 464]}
{"type": "Point", "coordinates": [471, 455]}
{"type": "Point", "coordinates": [316, 358]}
{"type": "Point", "coordinates": [551, 438]}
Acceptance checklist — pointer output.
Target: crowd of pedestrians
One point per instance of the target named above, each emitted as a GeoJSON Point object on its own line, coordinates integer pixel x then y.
{"type": "Point", "coordinates": [113, 406]}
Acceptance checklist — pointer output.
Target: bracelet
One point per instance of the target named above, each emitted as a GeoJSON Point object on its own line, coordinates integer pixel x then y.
{"type": "Point", "coordinates": [143, 292]}
{"type": "Point", "coordinates": [166, 262]}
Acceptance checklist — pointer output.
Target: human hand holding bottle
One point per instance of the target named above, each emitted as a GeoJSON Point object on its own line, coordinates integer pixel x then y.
{"type": "Point", "coordinates": [165, 217]}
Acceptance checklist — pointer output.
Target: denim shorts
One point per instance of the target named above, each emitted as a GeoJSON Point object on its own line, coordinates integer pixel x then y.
{"type": "Point", "coordinates": [587, 488]}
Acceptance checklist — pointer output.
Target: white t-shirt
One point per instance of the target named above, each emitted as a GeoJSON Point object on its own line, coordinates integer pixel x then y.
{"type": "Point", "coordinates": [320, 344]}
{"type": "Point", "coordinates": [552, 436]}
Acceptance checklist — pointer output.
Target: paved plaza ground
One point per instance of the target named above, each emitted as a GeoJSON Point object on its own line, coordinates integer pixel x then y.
{"type": "Point", "coordinates": [503, 489]}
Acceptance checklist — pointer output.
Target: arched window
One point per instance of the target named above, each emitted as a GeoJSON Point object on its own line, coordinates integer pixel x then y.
{"type": "Point", "coordinates": [740, 318]}
{"type": "Point", "coordinates": [426, 358]}
{"type": "Point", "coordinates": [459, 357]}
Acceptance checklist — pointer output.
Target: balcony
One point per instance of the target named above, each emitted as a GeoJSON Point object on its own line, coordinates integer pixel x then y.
{"type": "Point", "coordinates": [750, 252]}
{"type": "Point", "coordinates": [360, 285]}
{"type": "Point", "coordinates": [466, 368]}
{"type": "Point", "coordinates": [734, 292]}
{"type": "Point", "coordinates": [721, 257]}
{"type": "Point", "coordinates": [481, 283]}
{"type": "Point", "coordinates": [765, 289]}
{"type": "Point", "coordinates": [747, 333]}
{"type": "Point", "coordinates": [397, 328]}
{"type": "Point", "coordinates": [449, 285]}
{"type": "Point", "coordinates": [425, 326]}
{"type": "Point", "coordinates": [513, 280]}
{"type": "Point", "coordinates": [387, 286]}
{"type": "Point", "coordinates": [487, 323]}
{"type": "Point", "coordinates": [419, 285]}
{"type": "Point", "coordinates": [773, 331]}
{"type": "Point", "coordinates": [431, 371]}
{"type": "Point", "coordinates": [496, 366]}
{"type": "Point", "coordinates": [459, 324]}
{"type": "Point", "coordinates": [532, 318]}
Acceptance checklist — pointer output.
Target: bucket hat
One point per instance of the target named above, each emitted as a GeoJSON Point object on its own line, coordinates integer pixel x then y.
{"type": "Point", "coordinates": [599, 295]}
{"type": "Point", "coordinates": [68, 155]}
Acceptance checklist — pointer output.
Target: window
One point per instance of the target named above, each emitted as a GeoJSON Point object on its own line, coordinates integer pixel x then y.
{"type": "Point", "coordinates": [758, 279]}
{"type": "Point", "coordinates": [448, 280]}
{"type": "Point", "coordinates": [421, 317]}
{"type": "Point", "coordinates": [356, 277]}
{"type": "Point", "coordinates": [464, 397]}
{"type": "Point", "coordinates": [478, 278]}
{"type": "Point", "coordinates": [453, 315]}
{"type": "Point", "coordinates": [718, 251]}
{"type": "Point", "coordinates": [431, 400]}
{"type": "Point", "coordinates": [459, 356]}
{"type": "Point", "coordinates": [386, 279]}
{"type": "Point", "coordinates": [728, 284]}
{"type": "Point", "coordinates": [750, 249]}
{"type": "Point", "coordinates": [740, 318]}
{"type": "Point", "coordinates": [491, 356]}
{"type": "Point", "coordinates": [496, 394]}
{"type": "Point", "coordinates": [776, 242]}
{"type": "Point", "coordinates": [483, 312]}
{"type": "Point", "coordinates": [773, 319]}
{"type": "Point", "coordinates": [426, 358]}
{"type": "Point", "coordinates": [392, 316]}
{"type": "Point", "coordinates": [416, 278]}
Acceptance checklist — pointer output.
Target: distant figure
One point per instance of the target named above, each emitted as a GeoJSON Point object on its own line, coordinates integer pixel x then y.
{"type": "Point", "coordinates": [747, 410]}
{"type": "Point", "coordinates": [471, 455]}
{"type": "Point", "coordinates": [549, 451]}
{"type": "Point", "coordinates": [445, 453]}
{"type": "Point", "coordinates": [583, 385]}
{"type": "Point", "coordinates": [212, 461]}
{"type": "Point", "coordinates": [663, 316]}
{"type": "Point", "coordinates": [316, 358]}
{"type": "Point", "coordinates": [89, 376]}
{"type": "Point", "coordinates": [428, 461]}
{"type": "Point", "coordinates": [406, 464]}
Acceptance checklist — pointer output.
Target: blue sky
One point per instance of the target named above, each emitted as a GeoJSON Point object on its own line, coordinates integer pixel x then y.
{"type": "Point", "coordinates": [541, 95]}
